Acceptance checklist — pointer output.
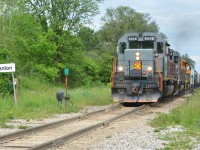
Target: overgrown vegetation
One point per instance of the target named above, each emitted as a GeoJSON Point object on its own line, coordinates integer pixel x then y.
{"type": "Point", "coordinates": [188, 116]}
{"type": "Point", "coordinates": [37, 99]}
{"type": "Point", "coordinates": [43, 37]}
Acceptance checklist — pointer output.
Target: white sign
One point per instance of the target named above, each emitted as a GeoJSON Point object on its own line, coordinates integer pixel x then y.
{"type": "Point", "coordinates": [7, 67]}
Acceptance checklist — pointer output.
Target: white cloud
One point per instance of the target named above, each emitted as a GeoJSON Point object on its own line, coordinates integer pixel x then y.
{"type": "Point", "coordinates": [197, 62]}
{"type": "Point", "coordinates": [196, 58]}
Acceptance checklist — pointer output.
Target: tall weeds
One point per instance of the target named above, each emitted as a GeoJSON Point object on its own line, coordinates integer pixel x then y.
{"type": "Point", "coordinates": [37, 99]}
{"type": "Point", "coordinates": [187, 115]}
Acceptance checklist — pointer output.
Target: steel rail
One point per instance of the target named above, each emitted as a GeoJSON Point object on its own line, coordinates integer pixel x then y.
{"type": "Point", "coordinates": [68, 137]}
{"type": "Point", "coordinates": [76, 134]}
{"type": "Point", "coordinates": [19, 134]}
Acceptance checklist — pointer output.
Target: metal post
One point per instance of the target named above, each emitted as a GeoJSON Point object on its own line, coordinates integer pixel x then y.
{"type": "Point", "coordinates": [15, 99]}
{"type": "Point", "coordinates": [66, 86]}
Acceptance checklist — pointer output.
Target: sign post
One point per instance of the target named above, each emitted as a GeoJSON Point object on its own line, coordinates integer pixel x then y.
{"type": "Point", "coordinates": [66, 73]}
{"type": "Point", "coordinates": [15, 97]}
{"type": "Point", "coordinates": [10, 68]}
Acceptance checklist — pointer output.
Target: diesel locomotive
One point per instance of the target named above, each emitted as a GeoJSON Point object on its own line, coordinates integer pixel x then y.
{"type": "Point", "coordinates": [146, 69]}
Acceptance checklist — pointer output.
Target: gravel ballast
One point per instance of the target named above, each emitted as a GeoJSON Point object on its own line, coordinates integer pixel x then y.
{"type": "Point", "coordinates": [132, 133]}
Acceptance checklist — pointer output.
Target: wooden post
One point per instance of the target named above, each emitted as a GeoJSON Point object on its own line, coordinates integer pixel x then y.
{"type": "Point", "coordinates": [15, 98]}
{"type": "Point", "coordinates": [16, 87]}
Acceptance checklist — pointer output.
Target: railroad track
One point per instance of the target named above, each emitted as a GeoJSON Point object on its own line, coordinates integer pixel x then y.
{"type": "Point", "coordinates": [151, 106]}
{"type": "Point", "coordinates": [55, 134]}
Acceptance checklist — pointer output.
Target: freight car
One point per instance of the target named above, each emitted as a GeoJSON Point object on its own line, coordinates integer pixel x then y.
{"type": "Point", "coordinates": [196, 78]}
{"type": "Point", "coordinates": [146, 69]}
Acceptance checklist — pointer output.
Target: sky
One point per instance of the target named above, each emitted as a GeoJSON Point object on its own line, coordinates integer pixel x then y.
{"type": "Point", "coordinates": [179, 20]}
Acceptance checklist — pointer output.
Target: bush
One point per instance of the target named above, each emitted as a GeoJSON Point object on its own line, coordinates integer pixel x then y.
{"type": "Point", "coordinates": [6, 86]}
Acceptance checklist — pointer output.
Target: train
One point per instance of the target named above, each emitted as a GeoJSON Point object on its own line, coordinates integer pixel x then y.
{"type": "Point", "coordinates": [147, 69]}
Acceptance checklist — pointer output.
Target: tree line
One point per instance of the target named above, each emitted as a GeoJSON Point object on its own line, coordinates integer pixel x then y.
{"type": "Point", "coordinates": [42, 37]}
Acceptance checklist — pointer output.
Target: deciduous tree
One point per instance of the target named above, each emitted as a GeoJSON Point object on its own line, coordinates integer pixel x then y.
{"type": "Point", "coordinates": [189, 60]}
{"type": "Point", "coordinates": [122, 19]}
{"type": "Point", "coordinates": [63, 15]}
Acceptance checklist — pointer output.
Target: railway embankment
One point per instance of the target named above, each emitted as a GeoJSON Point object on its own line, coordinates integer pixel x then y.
{"type": "Point", "coordinates": [165, 125]}
{"type": "Point", "coordinates": [139, 131]}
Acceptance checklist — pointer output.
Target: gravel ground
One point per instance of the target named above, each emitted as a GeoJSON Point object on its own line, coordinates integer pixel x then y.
{"type": "Point", "coordinates": [16, 123]}
{"type": "Point", "coordinates": [133, 133]}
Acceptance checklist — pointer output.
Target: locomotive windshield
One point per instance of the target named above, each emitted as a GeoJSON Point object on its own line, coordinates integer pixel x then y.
{"type": "Point", "coordinates": [141, 44]}
{"type": "Point", "coordinates": [122, 47]}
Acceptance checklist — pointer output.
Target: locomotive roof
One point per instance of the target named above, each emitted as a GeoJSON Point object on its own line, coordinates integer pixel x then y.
{"type": "Point", "coordinates": [140, 35]}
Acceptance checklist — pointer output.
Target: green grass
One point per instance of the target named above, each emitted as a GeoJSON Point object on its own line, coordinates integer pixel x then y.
{"type": "Point", "coordinates": [178, 140]}
{"type": "Point", "coordinates": [188, 116]}
{"type": "Point", "coordinates": [22, 127]}
{"type": "Point", "coordinates": [7, 126]}
{"type": "Point", "coordinates": [37, 100]}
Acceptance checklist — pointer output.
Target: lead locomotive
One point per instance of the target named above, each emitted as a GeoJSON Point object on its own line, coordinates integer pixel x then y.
{"type": "Point", "coordinates": [147, 69]}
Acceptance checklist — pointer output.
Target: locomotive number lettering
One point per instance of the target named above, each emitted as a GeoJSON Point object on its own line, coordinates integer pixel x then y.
{"type": "Point", "coordinates": [132, 38]}
{"type": "Point", "coordinates": [149, 38]}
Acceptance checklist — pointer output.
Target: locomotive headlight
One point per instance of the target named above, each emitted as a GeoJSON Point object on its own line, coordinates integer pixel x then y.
{"type": "Point", "coordinates": [120, 68]}
{"type": "Point", "coordinates": [137, 55]}
{"type": "Point", "coordinates": [149, 68]}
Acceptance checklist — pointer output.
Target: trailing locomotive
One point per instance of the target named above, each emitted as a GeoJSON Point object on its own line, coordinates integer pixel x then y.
{"type": "Point", "coordinates": [147, 69]}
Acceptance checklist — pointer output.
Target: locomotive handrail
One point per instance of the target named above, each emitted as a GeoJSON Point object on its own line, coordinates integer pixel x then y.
{"type": "Point", "coordinates": [113, 72]}
{"type": "Point", "coordinates": [161, 77]}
